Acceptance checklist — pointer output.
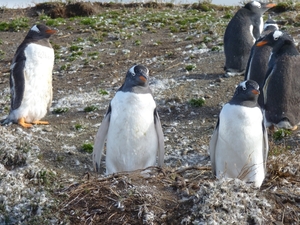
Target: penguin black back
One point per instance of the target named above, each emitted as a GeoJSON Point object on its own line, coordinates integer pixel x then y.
{"type": "Point", "coordinates": [240, 34]}
{"type": "Point", "coordinates": [257, 65]}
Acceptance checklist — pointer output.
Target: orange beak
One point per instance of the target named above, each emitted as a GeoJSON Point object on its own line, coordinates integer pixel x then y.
{"type": "Point", "coordinates": [51, 31]}
{"type": "Point", "coordinates": [142, 78]}
{"type": "Point", "coordinates": [270, 5]}
{"type": "Point", "coordinates": [256, 92]}
{"type": "Point", "coordinates": [261, 43]}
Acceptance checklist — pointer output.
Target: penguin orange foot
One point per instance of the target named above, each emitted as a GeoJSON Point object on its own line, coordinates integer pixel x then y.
{"type": "Point", "coordinates": [22, 122]}
{"type": "Point", "coordinates": [41, 122]}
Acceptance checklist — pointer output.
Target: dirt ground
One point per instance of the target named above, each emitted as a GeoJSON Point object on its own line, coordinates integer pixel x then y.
{"type": "Point", "coordinates": [55, 159]}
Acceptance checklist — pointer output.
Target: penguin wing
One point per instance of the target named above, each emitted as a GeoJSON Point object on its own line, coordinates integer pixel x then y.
{"type": "Point", "coordinates": [265, 146]}
{"type": "Point", "coordinates": [248, 67]}
{"type": "Point", "coordinates": [17, 80]}
{"type": "Point", "coordinates": [160, 135]}
{"type": "Point", "coordinates": [212, 147]}
{"type": "Point", "coordinates": [100, 140]}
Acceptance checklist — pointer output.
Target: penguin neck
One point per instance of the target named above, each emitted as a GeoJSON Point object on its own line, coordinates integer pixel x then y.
{"type": "Point", "coordinates": [137, 89]}
{"type": "Point", "coordinates": [247, 103]}
{"type": "Point", "coordinates": [44, 42]}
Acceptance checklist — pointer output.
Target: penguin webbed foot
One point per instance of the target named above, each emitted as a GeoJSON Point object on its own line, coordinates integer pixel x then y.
{"type": "Point", "coordinates": [40, 122]}
{"type": "Point", "coordinates": [22, 122]}
{"type": "Point", "coordinates": [5, 122]}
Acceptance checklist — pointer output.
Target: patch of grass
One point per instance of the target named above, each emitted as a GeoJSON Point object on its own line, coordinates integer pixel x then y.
{"type": "Point", "coordinates": [87, 147]}
{"type": "Point", "coordinates": [137, 42]}
{"type": "Point", "coordinates": [55, 22]}
{"type": "Point", "coordinates": [75, 48]}
{"type": "Point", "coordinates": [15, 25]}
{"type": "Point", "coordinates": [103, 92]}
{"type": "Point", "coordinates": [78, 126]}
{"type": "Point", "coordinates": [90, 108]}
{"type": "Point", "coordinates": [190, 67]}
{"type": "Point", "coordinates": [65, 66]}
{"type": "Point", "coordinates": [281, 133]}
{"type": "Point", "coordinates": [60, 110]}
{"type": "Point", "coordinates": [197, 102]}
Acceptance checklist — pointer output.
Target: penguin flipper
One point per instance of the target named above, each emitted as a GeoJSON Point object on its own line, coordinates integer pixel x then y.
{"type": "Point", "coordinates": [17, 82]}
{"type": "Point", "coordinates": [100, 140]}
{"type": "Point", "coordinates": [160, 135]}
{"type": "Point", "coordinates": [212, 147]}
{"type": "Point", "coordinates": [265, 146]}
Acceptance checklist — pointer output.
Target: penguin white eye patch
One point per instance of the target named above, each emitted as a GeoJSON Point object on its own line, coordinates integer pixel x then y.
{"type": "Point", "coordinates": [257, 4]}
{"type": "Point", "coordinates": [35, 28]}
{"type": "Point", "coordinates": [132, 71]}
{"type": "Point", "coordinates": [243, 85]}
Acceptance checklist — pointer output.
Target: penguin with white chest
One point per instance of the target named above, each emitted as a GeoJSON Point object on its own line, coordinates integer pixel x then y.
{"type": "Point", "coordinates": [31, 78]}
{"type": "Point", "coordinates": [240, 34]}
{"type": "Point", "coordinates": [239, 145]}
{"type": "Point", "coordinates": [282, 84]}
{"type": "Point", "coordinates": [258, 61]}
{"type": "Point", "coordinates": [131, 127]}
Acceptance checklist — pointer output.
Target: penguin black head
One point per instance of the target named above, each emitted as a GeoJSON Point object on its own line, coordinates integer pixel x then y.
{"type": "Point", "coordinates": [279, 40]}
{"type": "Point", "coordinates": [137, 78]}
{"type": "Point", "coordinates": [246, 94]}
{"type": "Point", "coordinates": [270, 25]}
{"type": "Point", "coordinates": [258, 7]}
{"type": "Point", "coordinates": [40, 31]}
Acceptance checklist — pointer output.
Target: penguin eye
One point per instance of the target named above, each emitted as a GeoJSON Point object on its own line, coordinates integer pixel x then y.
{"type": "Point", "coordinates": [244, 88]}
{"type": "Point", "coordinates": [275, 38]}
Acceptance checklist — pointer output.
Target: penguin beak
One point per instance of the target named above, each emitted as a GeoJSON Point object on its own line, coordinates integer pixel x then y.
{"type": "Point", "coordinates": [51, 31]}
{"type": "Point", "coordinates": [261, 43]}
{"type": "Point", "coordinates": [143, 79]}
{"type": "Point", "coordinates": [256, 92]}
{"type": "Point", "coordinates": [270, 5]}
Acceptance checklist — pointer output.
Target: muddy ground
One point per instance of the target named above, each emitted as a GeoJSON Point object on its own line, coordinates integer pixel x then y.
{"type": "Point", "coordinates": [46, 174]}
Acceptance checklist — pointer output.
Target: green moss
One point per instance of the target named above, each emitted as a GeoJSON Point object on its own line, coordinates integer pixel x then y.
{"type": "Point", "coordinates": [60, 110]}
{"type": "Point", "coordinates": [90, 108]}
{"type": "Point", "coordinates": [281, 133]}
{"type": "Point", "coordinates": [102, 92]}
{"type": "Point", "coordinates": [190, 67]}
{"type": "Point", "coordinates": [197, 102]}
{"type": "Point", "coordinates": [87, 147]}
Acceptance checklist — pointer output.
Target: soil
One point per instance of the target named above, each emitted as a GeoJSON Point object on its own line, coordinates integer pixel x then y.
{"type": "Point", "coordinates": [63, 167]}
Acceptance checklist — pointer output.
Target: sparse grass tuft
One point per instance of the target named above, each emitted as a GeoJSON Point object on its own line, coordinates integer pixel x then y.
{"type": "Point", "coordinates": [197, 102]}
{"type": "Point", "coordinates": [60, 110]}
{"type": "Point", "coordinates": [280, 134]}
{"type": "Point", "coordinates": [87, 147]}
{"type": "Point", "coordinates": [190, 67]}
{"type": "Point", "coordinates": [90, 108]}
{"type": "Point", "coordinates": [103, 92]}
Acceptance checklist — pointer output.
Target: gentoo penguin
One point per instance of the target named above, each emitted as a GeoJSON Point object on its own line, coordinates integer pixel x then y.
{"type": "Point", "coordinates": [240, 34]}
{"type": "Point", "coordinates": [259, 57]}
{"type": "Point", "coordinates": [131, 127]}
{"type": "Point", "coordinates": [239, 145]}
{"type": "Point", "coordinates": [282, 84]}
{"type": "Point", "coordinates": [31, 78]}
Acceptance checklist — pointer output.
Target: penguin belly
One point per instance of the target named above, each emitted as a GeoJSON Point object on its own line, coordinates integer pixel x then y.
{"type": "Point", "coordinates": [132, 141]}
{"type": "Point", "coordinates": [38, 83]}
{"type": "Point", "coordinates": [239, 149]}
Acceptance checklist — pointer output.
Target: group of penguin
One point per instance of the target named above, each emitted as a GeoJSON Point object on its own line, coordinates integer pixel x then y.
{"type": "Point", "coordinates": [131, 127]}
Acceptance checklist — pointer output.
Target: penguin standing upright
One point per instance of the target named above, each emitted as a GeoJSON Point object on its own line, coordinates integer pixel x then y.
{"type": "Point", "coordinates": [282, 84]}
{"type": "Point", "coordinates": [31, 78]}
{"type": "Point", "coordinates": [240, 34]}
{"type": "Point", "coordinates": [239, 145]}
{"type": "Point", "coordinates": [131, 127]}
{"type": "Point", "coordinates": [258, 61]}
